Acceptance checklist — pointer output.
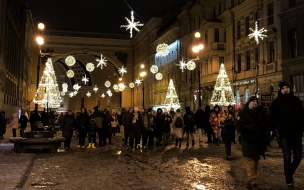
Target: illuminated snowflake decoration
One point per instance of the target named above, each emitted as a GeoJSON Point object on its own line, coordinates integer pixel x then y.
{"type": "Point", "coordinates": [70, 60]}
{"type": "Point", "coordinates": [95, 89]}
{"type": "Point", "coordinates": [110, 94]}
{"type": "Point", "coordinates": [90, 67]}
{"type": "Point", "coordinates": [131, 85]}
{"type": "Point", "coordinates": [75, 92]}
{"type": "Point", "coordinates": [76, 87]}
{"type": "Point", "coordinates": [122, 70]}
{"type": "Point", "coordinates": [131, 25]}
{"type": "Point", "coordinates": [70, 73]}
{"type": "Point", "coordinates": [159, 76]}
{"type": "Point", "coordinates": [108, 91]}
{"type": "Point", "coordinates": [71, 94]}
{"type": "Point", "coordinates": [256, 33]}
{"type": "Point", "coordinates": [85, 79]}
{"type": "Point", "coordinates": [101, 62]}
{"type": "Point", "coordinates": [103, 95]}
{"type": "Point", "coordinates": [162, 50]}
{"type": "Point", "coordinates": [64, 85]}
{"type": "Point", "coordinates": [138, 81]}
{"type": "Point", "coordinates": [154, 69]}
{"type": "Point", "coordinates": [88, 94]}
{"type": "Point", "coordinates": [182, 64]}
{"type": "Point", "coordinates": [62, 93]}
{"type": "Point", "coordinates": [191, 65]}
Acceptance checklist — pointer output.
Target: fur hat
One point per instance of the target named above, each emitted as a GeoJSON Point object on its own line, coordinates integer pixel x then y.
{"type": "Point", "coordinates": [282, 84]}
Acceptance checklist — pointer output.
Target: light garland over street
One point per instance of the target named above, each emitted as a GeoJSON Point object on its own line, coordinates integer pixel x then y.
{"type": "Point", "coordinates": [256, 33]}
{"type": "Point", "coordinates": [131, 25]}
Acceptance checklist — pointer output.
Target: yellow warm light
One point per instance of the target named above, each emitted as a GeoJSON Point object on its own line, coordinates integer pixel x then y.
{"type": "Point", "coordinates": [142, 66]}
{"type": "Point", "coordinates": [41, 26]}
{"type": "Point", "coordinates": [197, 48]}
{"type": "Point", "coordinates": [39, 40]}
{"type": "Point", "coordinates": [197, 34]}
{"type": "Point", "coordinates": [142, 74]}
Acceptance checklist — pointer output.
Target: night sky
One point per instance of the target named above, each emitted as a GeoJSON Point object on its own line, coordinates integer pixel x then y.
{"type": "Point", "coordinates": [102, 16]}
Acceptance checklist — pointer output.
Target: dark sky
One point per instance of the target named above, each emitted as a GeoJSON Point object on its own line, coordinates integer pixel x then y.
{"type": "Point", "coordinates": [104, 16]}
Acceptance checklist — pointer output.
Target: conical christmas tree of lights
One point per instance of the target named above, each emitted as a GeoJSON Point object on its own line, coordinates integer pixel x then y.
{"type": "Point", "coordinates": [222, 93]}
{"type": "Point", "coordinates": [48, 94]}
{"type": "Point", "coordinates": [171, 100]}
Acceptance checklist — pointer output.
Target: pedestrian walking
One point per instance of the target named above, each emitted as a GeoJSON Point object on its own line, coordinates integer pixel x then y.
{"type": "Point", "coordinates": [114, 123]}
{"type": "Point", "coordinates": [23, 124]}
{"type": "Point", "coordinates": [207, 126]}
{"type": "Point", "coordinates": [67, 127]}
{"type": "Point", "coordinates": [148, 132]}
{"type": "Point", "coordinates": [127, 123]}
{"type": "Point", "coordinates": [228, 133]}
{"type": "Point", "coordinates": [107, 128]}
{"type": "Point", "coordinates": [287, 116]}
{"type": "Point", "coordinates": [214, 120]}
{"type": "Point", "coordinates": [92, 129]}
{"type": "Point", "coordinates": [166, 127]}
{"type": "Point", "coordinates": [252, 123]}
{"type": "Point", "coordinates": [82, 125]}
{"type": "Point", "coordinates": [199, 122]}
{"type": "Point", "coordinates": [178, 127]}
{"type": "Point", "coordinates": [189, 122]}
{"type": "Point", "coordinates": [14, 123]}
{"type": "Point", "coordinates": [136, 129]}
{"type": "Point", "coordinates": [99, 118]}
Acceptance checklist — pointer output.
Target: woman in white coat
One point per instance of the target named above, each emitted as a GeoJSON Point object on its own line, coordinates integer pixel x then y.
{"type": "Point", "coordinates": [14, 123]}
{"type": "Point", "coordinates": [178, 127]}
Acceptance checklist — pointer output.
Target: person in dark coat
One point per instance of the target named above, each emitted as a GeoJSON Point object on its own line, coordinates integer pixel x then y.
{"type": "Point", "coordinates": [127, 123]}
{"type": "Point", "coordinates": [92, 129]}
{"type": "Point", "coordinates": [101, 123]}
{"type": "Point", "coordinates": [207, 127]}
{"type": "Point", "coordinates": [136, 130]}
{"type": "Point", "coordinates": [83, 120]}
{"type": "Point", "coordinates": [228, 133]}
{"type": "Point", "coordinates": [2, 124]}
{"type": "Point", "coordinates": [287, 115]}
{"type": "Point", "coordinates": [148, 122]}
{"type": "Point", "coordinates": [33, 119]}
{"type": "Point", "coordinates": [44, 119]}
{"type": "Point", "coordinates": [199, 122]}
{"type": "Point", "coordinates": [167, 128]}
{"type": "Point", "coordinates": [189, 121]}
{"type": "Point", "coordinates": [253, 125]}
{"type": "Point", "coordinates": [108, 130]}
{"type": "Point", "coordinates": [23, 124]}
{"type": "Point", "coordinates": [67, 127]}
{"type": "Point", "coordinates": [159, 125]}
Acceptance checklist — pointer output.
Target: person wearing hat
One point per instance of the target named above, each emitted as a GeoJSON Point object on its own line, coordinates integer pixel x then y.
{"type": "Point", "coordinates": [287, 116]}
{"type": "Point", "coordinates": [166, 127]}
{"type": "Point", "coordinates": [252, 122]}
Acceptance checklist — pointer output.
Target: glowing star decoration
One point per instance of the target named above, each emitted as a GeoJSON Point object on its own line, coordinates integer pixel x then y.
{"type": "Point", "coordinates": [110, 94]}
{"type": "Point", "coordinates": [256, 33]}
{"type": "Point", "coordinates": [85, 79]}
{"type": "Point", "coordinates": [95, 89]}
{"type": "Point", "coordinates": [76, 87]}
{"type": "Point", "coordinates": [182, 64]}
{"type": "Point", "coordinates": [162, 50]}
{"type": "Point", "coordinates": [70, 73]}
{"type": "Point", "coordinates": [107, 84]}
{"type": "Point", "coordinates": [70, 60]}
{"type": "Point", "coordinates": [132, 25]}
{"type": "Point", "coordinates": [138, 81]}
{"type": "Point", "coordinates": [154, 69]}
{"type": "Point", "coordinates": [159, 76]}
{"type": "Point", "coordinates": [103, 95]}
{"type": "Point", "coordinates": [90, 67]}
{"type": "Point", "coordinates": [191, 65]}
{"type": "Point", "coordinates": [101, 62]}
{"type": "Point", "coordinates": [122, 70]}
{"type": "Point", "coordinates": [71, 94]}
{"type": "Point", "coordinates": [75, 92]}
{"type": "Point", "coordinates": [131, 85]}
{"type": "Point", "coordinates": [88, 94]}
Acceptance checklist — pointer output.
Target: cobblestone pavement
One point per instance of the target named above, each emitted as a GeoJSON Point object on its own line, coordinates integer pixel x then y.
{"type": "Point", "coordinates": [116, 167]}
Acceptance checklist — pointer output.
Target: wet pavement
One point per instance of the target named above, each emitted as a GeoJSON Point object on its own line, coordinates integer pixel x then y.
{"type": "Point", "coordinates": [117, 167]}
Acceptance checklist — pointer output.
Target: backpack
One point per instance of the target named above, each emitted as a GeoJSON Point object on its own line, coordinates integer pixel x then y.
{"type": "Point", "coordinates": [190, 118]}
{"type": "Point", "coordinates": [178, 122]}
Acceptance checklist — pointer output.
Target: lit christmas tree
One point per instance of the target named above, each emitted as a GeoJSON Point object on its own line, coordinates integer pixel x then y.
{"type": "Point", "coordinates": [222, 94]}
{"type": "Point", "coordinates": [48, 95]}
{"type": "Point", "coordinates": [171, 100]}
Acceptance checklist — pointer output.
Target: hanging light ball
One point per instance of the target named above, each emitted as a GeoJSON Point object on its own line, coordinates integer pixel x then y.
{"type": "Point", "coordinates": [70, 73]}
{"type": "Point", "coordinates": [107, 84]}
{"type": "Point", "coordinates": [64, 89]}
{"type": "Point", "coordinates": [70, 60]}
{"type": "Point", "coordinates": [121, 87]}
{"type": "Point", "coordinates": [62, 93]}
{"type": "Point", "coordinates": [64, 85]}
{"type": "Point", "coordinates": [75, 86]}
{"type": "Point", "coordinates": [154, 69]}
{"type": "Point", "coordinates": [110, 94]}
{"type": "Point", "coordinates": [163, 49]}
{"type": "Point", "coordinates": [90, 67]}
{"type": "Point", "coordinates": [131, 85]}
{"type": "Point", "coordinates": [115, 87]}
{"type": "Point", "coordinates": [191, 65]}
{"type": "Point", "coordinates": [116, 90]}
{"type": "Point", "coordinates": [159, 76]}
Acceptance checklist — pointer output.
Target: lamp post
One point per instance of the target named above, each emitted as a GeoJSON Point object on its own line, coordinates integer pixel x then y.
{"type": "Point", "coordinates": [39, 41]}
{"type": "Point", "coordinates": [196, 49]}
{"type": "Point", "coordinates": [142, 74]}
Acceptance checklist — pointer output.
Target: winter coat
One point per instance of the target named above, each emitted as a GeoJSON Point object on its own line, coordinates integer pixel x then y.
{"type": "Point", "coordinates": [159, 122]}
{"type": "Point", "coordinates": [178, 114]}
{"type": "Point", "coordinates": [137, 126]}
{"type": "Point", "coordinates": [92, 128]}
{"type": "Point", "coordinates": [114, 122]}
{"type": "Point", "coordinates": [253, 125]}
{"type": "Point", "coordinates": [23, 121]}
{"type": "Point", "coordinates": [14, 121]}
{"type": "Point", "coordinates": [189, 126]}
{"type": "Point", "coordinates": [148, 122]}
{"type": "Point", "coordinates": [68, 125]}
{"type": "Point", "coordinates": [83, 121]}
{"type": "Point", "coordinates": [108, 129]}
{"type": "Point", "coordinates": [99, 118]}
{"type": "Point", "coordinates": [127, 121]}
{"type": "Point", "coordinates": [167, 122]}
{"type": "Point", "coordinates": [199, 118]}
{"type": "Point", "coordinates": [287, 115]}
{"type": "Point", "coordinates": [228, 131]}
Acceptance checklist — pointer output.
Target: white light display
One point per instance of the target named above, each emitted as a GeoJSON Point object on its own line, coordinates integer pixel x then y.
{"type": "Point", "coordinates": [70, 60]}
{"type": "Point", "coordinates": [182, 64]}
{"type": "Point", "coordinates": [191, 65]}
{"type": "Point", "coordinates": [115, 86]}
{"type": "Point", "coordinates": [108, 91]}
{"type": "Point", "coordinates": [122, 70]}
{"type": "Point", "coordinates": [159, 76]}
{"type": "Point", "coordinates": [101, 62]}
{"type": "Point", "coordinates": [85, 79]}
{"type": "Point", "coordinates": [64, 89]}
{"type": "Point", "coordinates": [90, 67]}
{"type": "Point", "coordinates": [154, 69]}
{"type": "Point", "coordinates": [138, 81]}
{"type": "Point", "coordinates": [171, 100]}
{"type": "Point", "coordinates": [62, 93]}
{"type": "Point", "coordinates": [256, 33]}
{"type": "Point", "coordinates": [107, 84]}
{"type": "Point", "coordinates": [71, 94]}
{"type": "Point", "coordinates": [70, 73]}
{"type": "Point", "coordinates": [110, 94]}
{"type": "Point", "coordinates": [88, 94]}
{"type": "Point", "coordinates": [162, 50]}
{"type": "Point", "coordinates": [95, 89]}
{"type": "Point", "coordinates": [131, 25]}
{"type": "Point", "coordinates": [64, 85]}
{"type": "Point", "coordinates": [103, 95]}
{"type": "Point", "coordinates": [131, 85]}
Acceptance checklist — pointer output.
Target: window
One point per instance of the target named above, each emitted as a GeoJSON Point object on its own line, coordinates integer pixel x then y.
{"type": "Point", "coordinates": [221, 60]}
{"type": "Point", "coordinates": [271, 52]}
{"type": "Point", "coordinates": [238, 30]}
{"type": "Point", "coordinates": [248, 60]}
{"type": "Point", "coordinates": [206, 38]}
{"type": "Point", "coordinates": [292, 3]}
{"type": "Point", "coordinates": [247, 25]}
{"type": "Point", "coordinates": [216, 35]}
{"type": "Point", "coordinates": [270, 13]}
{"type": "Point", "coordinates": [239, 63]}
{"type": "Point", "coordinates": [293, 42]}
{"type": "Point", "coordinates": [220, 7]}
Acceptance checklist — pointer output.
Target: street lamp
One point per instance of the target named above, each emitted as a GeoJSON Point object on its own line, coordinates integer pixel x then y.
{"type": "Point", "coordinates": [197, 49]}
{"type": "Point", "coordinates": [40, 41]}
{"type": "Point", "coordinates": [142, 74]}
